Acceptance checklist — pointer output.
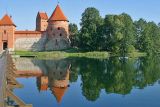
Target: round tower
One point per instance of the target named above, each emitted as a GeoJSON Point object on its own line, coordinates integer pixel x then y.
{"type": "Point", "coordinates": [58, 32]}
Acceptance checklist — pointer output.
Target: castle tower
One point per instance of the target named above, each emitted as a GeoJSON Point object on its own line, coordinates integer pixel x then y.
{"type": "Point", "coordinates": [58, 75]}
{"type": "Point", "coordinates": [59, 93]}
{"type": "Point", "coordinates": [41, 21]}
{"type": "Point", "coordinates": [42, 83]}
{"type": "Point", "coordinates": [58, 34]}
{"type": "Point", "coordinates": [60, 86]}
{"type": "Point", "coordinates": [7, 30]}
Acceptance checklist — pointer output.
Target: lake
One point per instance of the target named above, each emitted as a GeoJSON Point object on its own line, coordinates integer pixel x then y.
{"type": "Point", "coordinates": [82, 82]}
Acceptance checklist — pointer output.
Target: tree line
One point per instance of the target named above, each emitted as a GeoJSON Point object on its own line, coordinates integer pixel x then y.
{"type": "Point", "coordinates": [114, 75]}
{"type": "Point", "coordinates": [118, 34]}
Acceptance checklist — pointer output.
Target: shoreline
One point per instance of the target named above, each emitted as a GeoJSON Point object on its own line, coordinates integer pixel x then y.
{"type": "Point", "coordinates": [63, 54]}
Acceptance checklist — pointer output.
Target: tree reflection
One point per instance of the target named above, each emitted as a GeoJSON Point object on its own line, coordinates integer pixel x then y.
{"type": "Point", "coordinates": [113, 75]}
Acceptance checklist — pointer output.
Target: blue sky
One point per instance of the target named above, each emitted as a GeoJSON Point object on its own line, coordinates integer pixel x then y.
{"type": "Point", "coordinates": [24, 11]}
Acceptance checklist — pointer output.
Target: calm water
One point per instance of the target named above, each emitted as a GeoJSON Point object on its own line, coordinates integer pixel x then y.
{"type": "Point", "coordinates": [89, 82]}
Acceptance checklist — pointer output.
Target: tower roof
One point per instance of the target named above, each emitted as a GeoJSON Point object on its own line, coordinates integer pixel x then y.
{"type": "Point", "coordinates": [43, 15]}
{"type": "Point", "coordinates": [6, 20]}
{"type": "Point", "coordinates": [59, 93]}
{"type": "Point", "coordinates": [58, 15]}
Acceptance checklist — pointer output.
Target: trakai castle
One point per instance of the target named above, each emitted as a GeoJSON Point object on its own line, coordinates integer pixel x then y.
{"type": "Point", "coordinates": [50, 34]}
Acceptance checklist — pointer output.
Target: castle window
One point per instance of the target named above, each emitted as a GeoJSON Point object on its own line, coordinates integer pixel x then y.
{"type": "Point", "coordinates": [60, 34]}
{"type": "Point", "coordinates": [56, 42]}
{"type": "Point", "coordinates": [59, 28]}
{"type": "Point", "coordinates": [4, 31]}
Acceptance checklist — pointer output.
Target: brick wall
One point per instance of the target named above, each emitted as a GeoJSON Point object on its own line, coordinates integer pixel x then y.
{"type": "Point", "coordinates": [58, 36]}
{"type": "Point", "coordinates": [31, 42]}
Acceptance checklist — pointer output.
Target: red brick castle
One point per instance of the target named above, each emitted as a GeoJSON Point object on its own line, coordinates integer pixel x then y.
{"type": "Point", "coordinates": [50, 34]}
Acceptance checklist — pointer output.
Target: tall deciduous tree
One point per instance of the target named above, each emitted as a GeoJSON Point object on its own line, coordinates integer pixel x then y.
{"type": "Point", "coordinates": [119, 32]}
{"type": "Point", "coordinates": [148, 37]}
{"type": "Point", "coordinates": [89, 32]}
{"type": "Point", "coordinates": [140, 26]}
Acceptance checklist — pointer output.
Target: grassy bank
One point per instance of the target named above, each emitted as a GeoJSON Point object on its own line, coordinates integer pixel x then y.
{"type": "Point", "coordinates": [63, 54]}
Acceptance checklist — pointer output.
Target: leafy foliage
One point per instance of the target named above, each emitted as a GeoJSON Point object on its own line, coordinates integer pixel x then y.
{"type": "Point", "coordinates": [89, 32]}
{"type": "Point", "coordinates": [115, 33]}
{"type": "Point", "coordinates": [73, 30]}
{"type": "Point", "coordinates": [119, 31]}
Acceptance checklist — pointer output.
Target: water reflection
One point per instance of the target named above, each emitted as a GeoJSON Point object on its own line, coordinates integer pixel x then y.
{"type": "Point", "coordinates": [53, 75]}
{"type": "Point", "coordinates": [112, 75]}
{"type": "Point", "coordinates": [56, 78]}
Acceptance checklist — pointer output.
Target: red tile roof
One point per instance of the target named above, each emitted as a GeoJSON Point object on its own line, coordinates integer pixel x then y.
{"type": "Point", "coordinates": [59, 93]}
{"type": "Point", "coordinates": [6, 20]}
{"type": "Point", "coordinates": [27, 32]}
{"type": "Point", "coordinates": [43, 15]}
{"type": "Point", "coordinates": [58, 15]}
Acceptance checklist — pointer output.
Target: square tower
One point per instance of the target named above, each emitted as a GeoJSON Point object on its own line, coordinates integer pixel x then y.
{"type": "Point", "coordinates": [41, 21]}
{"type": "Point", "coordinates": [7, 30]}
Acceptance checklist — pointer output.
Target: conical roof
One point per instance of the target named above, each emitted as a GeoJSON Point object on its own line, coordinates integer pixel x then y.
{"type": "Point", "coordinates": [59, 93]}
{"type": "Point", "coordinates": [6, 20]}
{"type": "Point", "coordinates": [58, 15]}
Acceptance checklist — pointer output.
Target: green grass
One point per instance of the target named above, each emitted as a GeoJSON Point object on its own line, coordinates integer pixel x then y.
{"type": "Point", "coordinates": [75, 53]}
{"type": "Point", "coordinates": [63, 54]}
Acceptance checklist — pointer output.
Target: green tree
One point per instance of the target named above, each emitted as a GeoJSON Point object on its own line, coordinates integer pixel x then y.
{"type": "Point", "coordinates": [147, 37]}
{"type": "Point", "coordinates": [119, 32]}
{"type": "Point", "coordinates": [89, 33]}
{"type": "Point", "coordinates": [153, 45]}
{"type": "Point", "coordinates": [74, 33]}
{"type": "Point", "coordinates": [128, 40]}
{"type": "Point", "coordinates": [140, 26]}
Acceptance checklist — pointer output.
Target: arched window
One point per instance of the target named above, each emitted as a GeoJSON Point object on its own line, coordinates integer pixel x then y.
{"type": "Point", "coordinates": [59, 28]}
{"type": "Point", "coordinates": [60, 34]}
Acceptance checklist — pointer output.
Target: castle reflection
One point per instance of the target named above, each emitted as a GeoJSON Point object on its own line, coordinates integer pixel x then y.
{"type": "Point", "coordinates": [52, 74]}
{"type": "Point", "coordinates": [111, 75]}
